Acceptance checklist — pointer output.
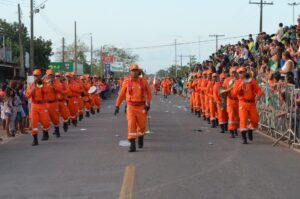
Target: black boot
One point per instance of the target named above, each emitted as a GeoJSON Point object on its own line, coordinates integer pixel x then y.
{"type": "Point", "coordinates": [226, 127]}
{"type": "Point", "coordinates": [236, 133]}
{"type": "Point", "coordinates": [74, 122]}
{"type": "Point", "coordinates": [217, 122]}
{"type": "Point", "coordinates": [199, 114]}
{"type": "Point", "coordinates": [98, 110]}
{"type": "Point", "coordinates": [232, 134]}
{"type": "Point", "coordinates": [250, 135]}
{"type": "Point", "coordinates": [222, 128]}
{"type": "Point", "coordinates": [65, 127]}
{"type": "Point", "coordinates": [87, 114]}
{"type": "Point", "coordinates": [192, 111]}
{"type": "Point", "coordinates": [80, 117]}
{"type": "Point", "coordinates": [208, 120]}
{"type": "Point", "coordinates": [244, 136]}
{"type": "Point", "coordinates": [196, 112]}
{"type": "Point", "coordinates": [92, 111]}
{"type": "Point", "coordinates": [213, 123]}
{"type": "Point", "coordinates": [132, 145]}
{"type": "Point", "coordinates": [141, 142]}
{"type": "Point", "coordinates": [69, 122]}
{"type": "Point", "coordinates": [35, 141]}
{"type": "Point", "coordinates": [57, 133]}
{"type": "Point", "coordinates": [45, 136]}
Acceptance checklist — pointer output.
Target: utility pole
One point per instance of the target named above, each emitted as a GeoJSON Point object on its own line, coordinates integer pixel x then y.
{"type": "Point", "coordinates": [175, 57]}
{"type": "Point", "coordinates": [293, 5]}
{"type": "Point", "coordinates": [199, 48]}
{"type": "Point", "coordinates": [92, 68]}
{"type": "Point", "coordinates": [63, 52]}
{"type": "Point", "coordinates": [261, 4]}
{"type": "Point", "coordinates": [31, 36]}
{"type": "Point", "coordinates": [180, 60]}
{"type": "Point", "coordinates": [75, 48]}
{"type": "Point", "coordinates": [217, 40]}
{"type": "Point", "coordinates": [22, 68]}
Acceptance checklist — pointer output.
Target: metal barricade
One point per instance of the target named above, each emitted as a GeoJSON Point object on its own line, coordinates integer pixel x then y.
{"type": "Point", "coordinates": [278, 113]}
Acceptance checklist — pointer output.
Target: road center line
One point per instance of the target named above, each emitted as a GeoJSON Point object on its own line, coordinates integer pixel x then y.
{"type": "Point", "coordinates": [127, 185]}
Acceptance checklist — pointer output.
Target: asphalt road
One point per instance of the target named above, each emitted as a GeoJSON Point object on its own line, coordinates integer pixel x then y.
{"type": "Point", "coordinates": [176, 163]}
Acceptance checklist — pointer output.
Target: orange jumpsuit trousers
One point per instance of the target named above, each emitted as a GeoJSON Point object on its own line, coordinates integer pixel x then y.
{"type": "Point", "coordinates": [64, 111]}
{"type": "Point", "coordinates": [73, 107]}
{"type": "Point", "coordinates": [53, 110]}
{"type": "Point", "coordinates": [39, 113]}
{"type": "Point", "coordinates": [247, 111]}
{"type": "Point", "coordinates": [136, 119]}
{"type": "Point", "coordinates": [233, 114]}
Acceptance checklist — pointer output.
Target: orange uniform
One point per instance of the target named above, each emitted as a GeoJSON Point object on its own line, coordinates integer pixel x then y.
{"type": "Point", "coordinates": [51, 100]}
{"type": "Point", "coordinates": [232, 107]}
{"type": "Point", "coordinates": [62, 101]}
{"type": "Point", "coordinates": [188, 86]}
{"type": "Point", "coordinates": [74, 92]}
{"type": "Point", "coordinates": [39, 111]}
{"type": "Point", "coordinates": [203, 86]}
{"type": "Point", "coordinates": [196, 89]}
{"type": "Point", "coordinates": [221, 106]}
{"type": "Point", "coordinates": [246, 94]}
{"type": "Point", "coordinates": [138, 94]}
{"type": "Point", "coordinates": [212, 103]}
{"type": "Point", "coordinates": [166, 87]}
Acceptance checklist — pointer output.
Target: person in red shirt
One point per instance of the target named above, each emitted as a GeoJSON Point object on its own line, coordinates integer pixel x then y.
{"type": "Point", "coordinates": [248, 92]}
{"type": "Point", "coordinates": [138, 96]}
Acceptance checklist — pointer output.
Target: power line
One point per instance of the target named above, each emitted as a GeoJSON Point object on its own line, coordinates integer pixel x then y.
{"type": "Point", "coordinates": [184, 43]}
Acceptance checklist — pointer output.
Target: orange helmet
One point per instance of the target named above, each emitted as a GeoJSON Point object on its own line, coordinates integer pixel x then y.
{"type": "Point", "coordinates": [49, 72]}
{"type": "Point", "coordinates": [37, 72]}
{"type": "Point", "coordinates": [68, 74]}
{"type": "Point", "coordinates": [134, 67]}
{"type": "Point", "coordinates": [209, 72]}
{"type": "Point", "coordinates": [232, 70]}
{"type": "Point", "coordinates": [223, 76]}
{"type": "Point", "coordinates": [242, 69]}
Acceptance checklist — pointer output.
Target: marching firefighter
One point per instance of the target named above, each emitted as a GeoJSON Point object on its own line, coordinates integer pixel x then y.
{"type": "Point", "coordinates": [203, 91]}
{"type": "Point", "coordinates": [39, 111]}
{"type": "Point", "coordinates": [212, 102]}
{"type": "Point", "coordinates": [232, 102]}
{"type": "Point", "coordinates": [220, 99]}
{"type": "Point", "coordinates": [138, 98]}
{"type": "Point", "coordinates": [74, 92]}
{"type": "Point", "coordinates": [62, 100]}
{"type": "Point", "coordinates": [248, 92]}
{"type": "Point", "coordinates": [54, 87]}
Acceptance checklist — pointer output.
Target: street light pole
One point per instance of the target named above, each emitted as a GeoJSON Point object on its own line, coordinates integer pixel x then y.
{"type": "Point", "coordinates": [175, 57]}
{"type": "Point", "coordinates": [293, 5]}
{"type": "Point", "coordinates": [75, 47]}
{"type": "Point", "coordinates": [92, 68]}
{"type": "Point", "coordinates": [31, 37]}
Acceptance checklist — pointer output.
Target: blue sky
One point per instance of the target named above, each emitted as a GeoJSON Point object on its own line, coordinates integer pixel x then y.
{"type": "Point", "coordinates": [135, 23]}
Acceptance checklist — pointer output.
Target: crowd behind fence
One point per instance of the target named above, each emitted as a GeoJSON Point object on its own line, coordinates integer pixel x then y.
{"type": "Point", "coordinates": [279, 113]}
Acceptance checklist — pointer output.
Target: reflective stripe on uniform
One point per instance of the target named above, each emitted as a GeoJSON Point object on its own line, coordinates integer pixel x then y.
{"type": "Point", "coordinates": [132, 134]}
